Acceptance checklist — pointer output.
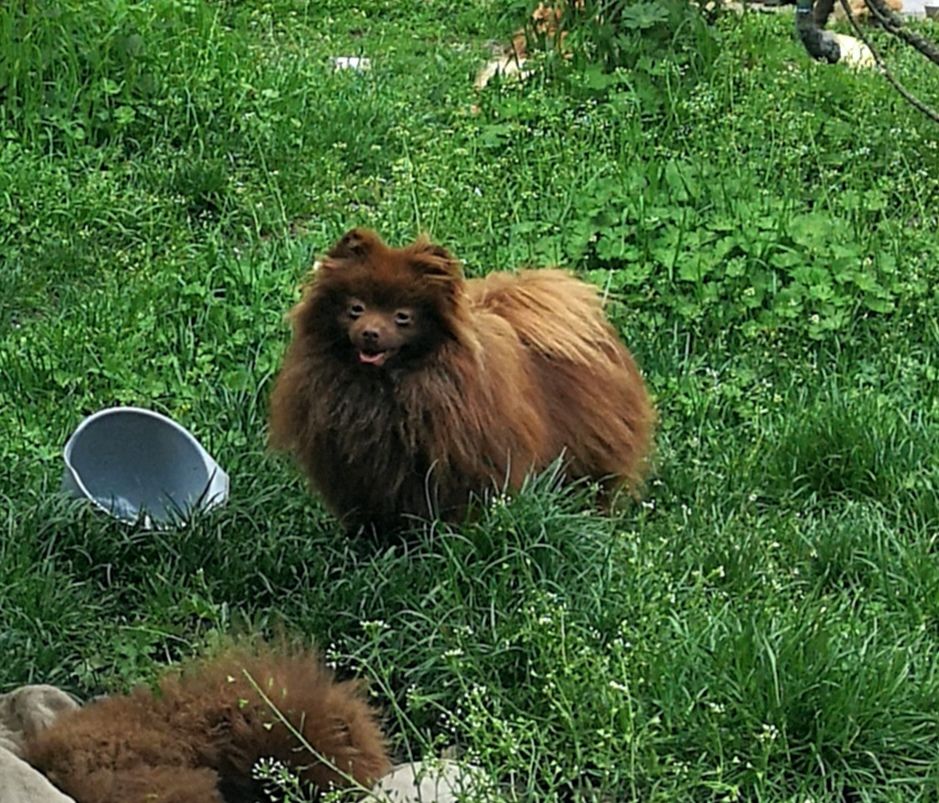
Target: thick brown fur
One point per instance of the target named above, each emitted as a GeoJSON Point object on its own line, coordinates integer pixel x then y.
{"type": "Point", "coordinates": [197, 738]}
{"type": "Point", "coordinates": [496, 377]}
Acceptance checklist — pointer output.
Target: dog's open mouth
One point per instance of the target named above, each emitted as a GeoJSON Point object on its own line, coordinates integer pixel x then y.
{"type": "Point", "coordinates": [374, 357]}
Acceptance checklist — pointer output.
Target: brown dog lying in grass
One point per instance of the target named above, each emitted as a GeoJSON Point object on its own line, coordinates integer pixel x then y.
{"type": "Point", "coordinates": [198, 737]}
{"type": "Point", "coordinates": [407, 389]}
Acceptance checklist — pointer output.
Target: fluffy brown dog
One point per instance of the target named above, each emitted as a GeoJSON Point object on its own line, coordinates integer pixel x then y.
{"type": "Point", "coordinates": [406, 388]}
{"type": "Point", "coordinates": [197, 739]}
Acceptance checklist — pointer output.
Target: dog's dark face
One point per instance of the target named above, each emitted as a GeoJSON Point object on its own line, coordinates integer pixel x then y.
{"type": "Point", "coordinates": [383, 308]}
{"type": "Point", "coordinates": [378, 334]}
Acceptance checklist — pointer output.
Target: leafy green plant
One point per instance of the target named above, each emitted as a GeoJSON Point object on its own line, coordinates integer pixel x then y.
{"type": "Point", "coordinates": [658, 41]}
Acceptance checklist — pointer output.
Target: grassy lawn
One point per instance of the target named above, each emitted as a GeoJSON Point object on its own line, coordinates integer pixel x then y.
{"type": "Point", "coordinates": [764, 626]}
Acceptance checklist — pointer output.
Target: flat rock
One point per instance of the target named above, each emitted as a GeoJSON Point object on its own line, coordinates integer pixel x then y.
{"type": "Point", "coordinates": [20, 783]}
{"type": "Point", "coordinates": [23, 713]}
{"type": "Point", "coordinates": [429, 782]}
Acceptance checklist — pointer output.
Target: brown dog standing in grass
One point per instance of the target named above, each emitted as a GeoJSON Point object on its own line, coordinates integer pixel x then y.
{"type": "Point", "coordinates": [407, 389]}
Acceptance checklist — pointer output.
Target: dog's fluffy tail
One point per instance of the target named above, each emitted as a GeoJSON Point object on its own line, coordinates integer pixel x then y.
{"type": "Point", "coordinates": [552, 311]}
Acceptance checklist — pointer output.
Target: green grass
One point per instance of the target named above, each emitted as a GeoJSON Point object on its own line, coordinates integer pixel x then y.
{"type": "Point", "coordinates": [763, 626]}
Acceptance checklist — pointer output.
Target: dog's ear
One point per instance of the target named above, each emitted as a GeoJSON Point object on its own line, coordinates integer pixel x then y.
{"type": "Point", "coordinates": [435, 250]}
{"type": "Point", "coordinates": [434, 261]}
{"type": "Point", "coordinates": [355, 244]}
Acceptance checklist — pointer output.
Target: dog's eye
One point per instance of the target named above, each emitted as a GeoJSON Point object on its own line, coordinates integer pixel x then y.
{"type": "Point", "coordinates": [403, 318]}
{"type": "Point", "coordinates": [356, 308]}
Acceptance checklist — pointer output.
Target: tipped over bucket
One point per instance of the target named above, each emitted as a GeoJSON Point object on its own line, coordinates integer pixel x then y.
{"type": "Point", "coordinates": [136, 464]}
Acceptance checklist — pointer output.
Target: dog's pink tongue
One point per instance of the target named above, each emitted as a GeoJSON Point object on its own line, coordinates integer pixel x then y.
{"type": "Point", "coordinates": [372, 359]}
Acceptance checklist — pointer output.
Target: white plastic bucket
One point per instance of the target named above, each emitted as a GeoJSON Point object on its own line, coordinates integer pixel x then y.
{"type": "Point", "coordinates": [136, 464]}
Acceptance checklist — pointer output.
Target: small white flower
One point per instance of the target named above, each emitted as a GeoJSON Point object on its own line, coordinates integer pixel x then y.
{"type": "Point", "coordinates": [769, 733]}
{"type": "Point", "coordinates": [616, 686]}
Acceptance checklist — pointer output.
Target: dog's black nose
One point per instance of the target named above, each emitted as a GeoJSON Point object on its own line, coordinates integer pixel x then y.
{"type": "Point", "coordinates": [370, 335]}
